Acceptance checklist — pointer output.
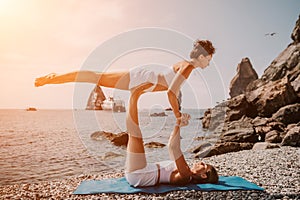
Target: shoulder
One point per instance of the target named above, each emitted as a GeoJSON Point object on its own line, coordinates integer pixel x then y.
{"type": "Point", "coordinates": [182, 66]}
{"type": "Point", "coordinates": [178, 179]}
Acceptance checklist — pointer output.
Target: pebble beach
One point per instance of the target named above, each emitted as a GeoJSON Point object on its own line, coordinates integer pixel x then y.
{"type": "Point", "coordinates": [276, 170]}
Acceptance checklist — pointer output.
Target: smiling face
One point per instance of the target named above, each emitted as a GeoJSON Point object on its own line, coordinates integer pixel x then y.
{"type": "Point", "coordinates": [204, 173]}
{"type": "Point", "coordinates": [201, 169]}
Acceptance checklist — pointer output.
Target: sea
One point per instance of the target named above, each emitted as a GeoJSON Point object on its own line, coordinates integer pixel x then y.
{"type": "Point", "coordinates": [54, 144]}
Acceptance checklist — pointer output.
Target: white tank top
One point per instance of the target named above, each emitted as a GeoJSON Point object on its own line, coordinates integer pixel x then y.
{"type": "Point", "coordinates": [166, 169]}
{"type": "Point", "coordinates": [140, 75]}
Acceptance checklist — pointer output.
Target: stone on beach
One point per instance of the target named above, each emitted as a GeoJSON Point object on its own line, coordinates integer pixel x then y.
{"type": "Point", "coordinates": [120, 139]}
{"type": "Point", "coordinates": [273, 137]}
{"type": "Point", "coordinates": [264, 145]}
{"type": "Point", "coordinates": [154, 145]}
{"type": "Point", "coordinates": [160, 114]}
{"type": "Point", "coordinates": [292, 138]}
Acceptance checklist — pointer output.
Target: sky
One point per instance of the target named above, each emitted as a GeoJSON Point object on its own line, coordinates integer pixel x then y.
{"type": "Point", "coordinates": [41, 37]}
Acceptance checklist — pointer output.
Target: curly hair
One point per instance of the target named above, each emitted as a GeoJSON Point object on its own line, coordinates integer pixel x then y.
{"type": "Point", "coordinates": [203, 47]}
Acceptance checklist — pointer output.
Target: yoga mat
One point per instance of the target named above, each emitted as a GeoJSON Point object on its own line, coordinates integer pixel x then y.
{"type": "Point", "coordinates": [121, 186]}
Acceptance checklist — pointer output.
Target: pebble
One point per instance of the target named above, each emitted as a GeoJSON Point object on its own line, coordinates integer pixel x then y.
{"type": "Point", "coordinates": [276, 170]}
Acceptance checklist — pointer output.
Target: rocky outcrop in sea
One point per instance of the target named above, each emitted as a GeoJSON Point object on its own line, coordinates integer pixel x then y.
{"type": "Point", "coordinates": [96, 98]}
{"type": "Point", "coordinates": [119, 139]}
{"type": "Point", "coordinates": [262, 112]}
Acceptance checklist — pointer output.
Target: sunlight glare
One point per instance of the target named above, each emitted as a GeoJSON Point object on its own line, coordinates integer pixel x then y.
{"type": "Point", "coordinates": [5, 5]}
{"type": "Point", "coordinates": [11, 7]}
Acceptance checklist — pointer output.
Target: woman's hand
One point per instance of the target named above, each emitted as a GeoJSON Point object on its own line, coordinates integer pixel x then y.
{"type": "Point", "coordinates": [183, 120]}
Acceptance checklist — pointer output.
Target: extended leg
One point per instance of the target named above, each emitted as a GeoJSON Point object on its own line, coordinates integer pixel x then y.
{"type": "Point", "coordinates": [78, 76]}
{"type": "Point", "coordinates": [119, 80]}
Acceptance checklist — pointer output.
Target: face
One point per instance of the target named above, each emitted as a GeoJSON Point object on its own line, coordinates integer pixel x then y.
{"type": "Point", "coordinates": [200, 168]}
{"type": "Point", "coordinates": [203, 61]}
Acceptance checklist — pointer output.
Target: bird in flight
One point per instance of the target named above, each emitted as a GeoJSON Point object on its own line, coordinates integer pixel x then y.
{"type": "Point", "coordinates": [270, 34]}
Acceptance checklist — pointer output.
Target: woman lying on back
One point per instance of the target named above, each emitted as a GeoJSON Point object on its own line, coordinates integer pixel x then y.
{"type": "Point", "coordinates": [139, 173]}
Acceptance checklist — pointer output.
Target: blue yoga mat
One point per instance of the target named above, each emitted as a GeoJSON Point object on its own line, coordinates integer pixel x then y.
{"type": "Point", "coordinates": [121, 186]}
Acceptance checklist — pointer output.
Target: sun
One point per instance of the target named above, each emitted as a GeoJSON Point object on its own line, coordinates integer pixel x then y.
{"type": "Point", "coordinates": [3, 2]}
{"type": "Point", "coordinates": [4, 5]}
{"type": "Point", "coordinates": [11, 7]}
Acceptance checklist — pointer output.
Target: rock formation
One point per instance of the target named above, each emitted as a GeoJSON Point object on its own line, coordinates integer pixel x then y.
{"type": "Point", "coordinates": [96, 98]}
{"type": "Point", "coordinates": [245, 75]}
{"type": "Point", "coordinates": [266, 109]}
{"type": "Point", "coordinates": [154, 145]}
{"type": "Point", "coordinates": [120, 139]}
{"type": "Point", "coordinates": [160, 114]}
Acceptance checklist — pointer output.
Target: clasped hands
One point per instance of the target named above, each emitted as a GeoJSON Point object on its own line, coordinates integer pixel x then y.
{"type": "Point", "coordinates": [183, 120]}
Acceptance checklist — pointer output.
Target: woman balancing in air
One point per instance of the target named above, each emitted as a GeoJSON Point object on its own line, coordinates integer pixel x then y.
{"type": "Point", "coordinates": [139, 81]}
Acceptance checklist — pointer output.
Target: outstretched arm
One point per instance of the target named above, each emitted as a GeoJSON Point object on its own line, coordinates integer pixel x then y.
{"type": "Point", "coordinates": [184, 172]}
{"type": "Point", "coordinates": [174, 88]}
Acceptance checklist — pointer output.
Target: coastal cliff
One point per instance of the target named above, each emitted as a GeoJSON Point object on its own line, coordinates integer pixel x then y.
{"type": "Point", "coordinates": [262, 112]}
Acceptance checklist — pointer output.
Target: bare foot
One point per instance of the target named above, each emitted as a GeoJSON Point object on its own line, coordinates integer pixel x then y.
{"type": "Point", "coordinates": [44, 80]}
